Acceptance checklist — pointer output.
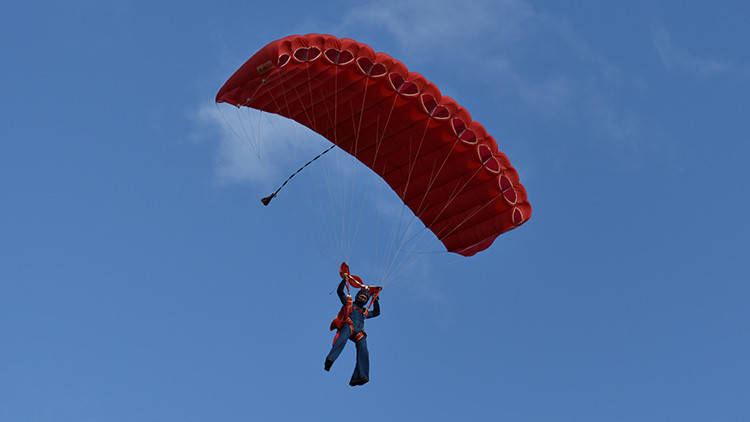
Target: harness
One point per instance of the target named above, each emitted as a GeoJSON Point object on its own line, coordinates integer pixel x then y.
{"type": "Point", "coordinates": [344, 316]}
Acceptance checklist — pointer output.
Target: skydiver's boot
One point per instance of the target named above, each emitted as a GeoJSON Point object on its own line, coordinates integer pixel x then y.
{"type": "Point", "coordinates": [358, 381]}
{"type": "Point", "coordinates": [327, 365]}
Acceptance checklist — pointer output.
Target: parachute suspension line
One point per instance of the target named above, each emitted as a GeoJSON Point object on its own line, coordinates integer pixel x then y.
{"type": "Point", "coordinates": [330, 181]}
{"type": "Point", "coordinates": [326, 222]}
{"type": "Point", "coordinates": [358, 126]}
{"type": "Point", "coordinates": [399, 236]}
{"type": "Point", "coordinates": [322, 221]}
{"type": "Point", "coordinates": [231, 127]}
{"type": "Point", "coordinates": [442, 236]}
{"type": "Point", "coordinates": [345, 194]}
{"type": "Point", "coordinates": [380, 217]}
{"type": "Point", "coordinates": [294, 211]}
{"type": "Point", "coordinates": [327, 177]}
{"type": "Point", "coordinates": [329, 206]}
{"type": "Point", "coordinates": [336, 202]}
{"type": "Point", "coordinates": [434, 177]}
{"type": "Point", "coordinates": [268, 198]}
{"type": "Point", "coordinates": [255, 136]}
{"type": "Point", "coordinates": [404, 240]}
{"type": "Point", "coordinates": [378, 230]}
{"type": "Point", "coordinates": [456, 191]}
{"type": "Point", "coordinates": [413, 163]}
{"type": "Point", "coordinates": [352, 219]}
{"type": "Point", "coordinates": [358, 130]}
{"type": "Point", "coordinates": [258, 141]}
{"type": "Point", "coordinates": [345, 198]}
{"type": "Point", "coordinates": [240, 138]}
{"type": "Point", "coordinates": [342, 215]}
{"type": "Point", "coordinates": [380, 137]}
{"type": "Point", "coordinates": [367, 194]}
{"type": "Point", "coordinates": [379, 143]}
{"type": "Point", "coordinates": [454, 195]}
{"type": "Point", "coordinates": [419, 272]}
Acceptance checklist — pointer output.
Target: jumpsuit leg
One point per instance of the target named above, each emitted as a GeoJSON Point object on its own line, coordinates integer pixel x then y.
{"type": "Point", "coordinates": [362, 368]}
{"type": "Point", "coordinates": [339, 344]}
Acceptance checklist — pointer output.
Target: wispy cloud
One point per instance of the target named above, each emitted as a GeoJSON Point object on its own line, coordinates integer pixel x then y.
{"type": "Point", "coordinates": [425, 28]}
{"type": "Point", "coordinates": [675, 57]}
{"type": "Point", "coordinates": [253, 147]}
{"type": "Point", "coordinates": [541, 59]}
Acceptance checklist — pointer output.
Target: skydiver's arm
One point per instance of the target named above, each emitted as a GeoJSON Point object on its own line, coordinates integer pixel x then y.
{"type": "Point", "coordinates": [375, 309]}
{"type": "Point", "coordinates": [340, 292]}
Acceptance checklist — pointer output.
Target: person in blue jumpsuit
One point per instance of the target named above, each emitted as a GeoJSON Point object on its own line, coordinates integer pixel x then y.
{"type": "Point", "coordinates": [357, 316]}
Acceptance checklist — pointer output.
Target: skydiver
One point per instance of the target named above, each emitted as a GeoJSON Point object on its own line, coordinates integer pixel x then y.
{"type": "Point", "coordinates": [350, 324]}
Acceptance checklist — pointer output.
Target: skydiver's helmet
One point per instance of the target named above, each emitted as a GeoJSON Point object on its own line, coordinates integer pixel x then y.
{"type": "Point", "coordinates": [362, 292]}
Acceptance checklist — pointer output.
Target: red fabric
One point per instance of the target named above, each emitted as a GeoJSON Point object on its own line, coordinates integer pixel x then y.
{"type": "Point", "coordinates": [343, 316]}
{"type": "Point", "coordinates": [356, 282]}
{"type": "Point", "coordinates": [445, 167]}
{"type": "Point", "coordinates": [344, 270]}
{"type": "Point", "coordinates": [343, 319]}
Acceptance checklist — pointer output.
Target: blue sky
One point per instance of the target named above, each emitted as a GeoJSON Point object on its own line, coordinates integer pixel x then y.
{"type": "Point", "coordinates": [141, 279]}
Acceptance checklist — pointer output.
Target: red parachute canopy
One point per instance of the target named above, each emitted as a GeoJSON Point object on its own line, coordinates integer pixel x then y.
{"type": "Point", "coordinates": [445, 167]}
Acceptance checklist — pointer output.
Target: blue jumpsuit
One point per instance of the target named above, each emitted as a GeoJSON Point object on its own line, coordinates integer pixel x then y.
{"type": "Point", "coordinates": [362, 369]}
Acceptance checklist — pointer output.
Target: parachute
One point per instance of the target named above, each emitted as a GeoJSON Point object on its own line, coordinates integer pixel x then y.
{"type": "Point", "coordinates": [444, 166]}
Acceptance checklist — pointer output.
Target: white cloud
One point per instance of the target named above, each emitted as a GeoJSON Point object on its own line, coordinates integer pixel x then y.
{"type": "Point", "coordinates": [541, 59]}
{"type": "Point", "coordinates": [672, 56]}
{"type": "Point", "coordinates": [612, 121]}
{"type": "Point", "coordinates": [254, 147]}
{"type": "Point", "coordinates": [426, 27]}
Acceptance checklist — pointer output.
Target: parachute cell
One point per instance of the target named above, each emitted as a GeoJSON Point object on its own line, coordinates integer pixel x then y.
{"type": "Point", "coordinates": [445, 167]}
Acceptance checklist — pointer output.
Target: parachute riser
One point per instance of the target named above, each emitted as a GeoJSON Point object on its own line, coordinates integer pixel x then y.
{"type": "Point", "coordinates": [355, 281]}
